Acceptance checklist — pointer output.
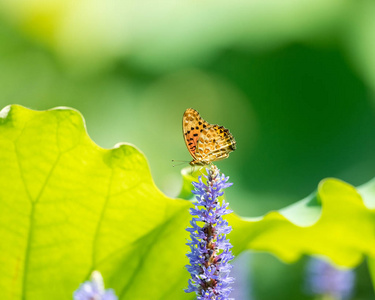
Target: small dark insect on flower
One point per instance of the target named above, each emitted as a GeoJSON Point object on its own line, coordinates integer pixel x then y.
{"type": "Point", "coordinates": [210, 252]}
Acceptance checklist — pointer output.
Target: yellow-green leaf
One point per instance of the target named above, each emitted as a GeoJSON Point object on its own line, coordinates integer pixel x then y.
{"type": "Point", "coordinates": [68, 207]}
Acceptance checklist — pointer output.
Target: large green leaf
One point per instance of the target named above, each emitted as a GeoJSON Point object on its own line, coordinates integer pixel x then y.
{"type": "Point", "coordinates": [333, 222]}
{"type": "Point", "coordinates": [68, 207]}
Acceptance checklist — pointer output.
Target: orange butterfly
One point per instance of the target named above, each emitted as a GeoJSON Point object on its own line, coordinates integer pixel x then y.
{"type": "Point", "coordinates": [206, 143]}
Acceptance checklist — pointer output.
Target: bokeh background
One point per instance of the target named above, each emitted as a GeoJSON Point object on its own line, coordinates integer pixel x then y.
{"type": "Point", "coordinates": [293, 80]}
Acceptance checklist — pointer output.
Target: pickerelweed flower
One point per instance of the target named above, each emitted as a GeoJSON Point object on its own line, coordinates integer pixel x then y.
{"type": "Point", "coordinates": [325, 280]}
{"type": "Point", "coordinates": [94, 289]}
{"type": "Point", "coordinates": [210, 250]}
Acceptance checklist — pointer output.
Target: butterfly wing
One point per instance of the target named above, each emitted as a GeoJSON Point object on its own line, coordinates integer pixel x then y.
{"type": "Point", "coordinates": [192, 126]}
{"type": "Point", "coordinates": [215, 143]}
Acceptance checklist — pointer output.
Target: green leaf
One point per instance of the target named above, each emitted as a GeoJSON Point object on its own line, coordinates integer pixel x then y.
{"type": "Point", "coordinates": [68, 207]}
{"type": "Point", "coordinates": [334, 222]}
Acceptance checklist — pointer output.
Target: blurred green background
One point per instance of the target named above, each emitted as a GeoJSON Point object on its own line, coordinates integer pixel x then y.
{"type": "Point", "coordinates": [293, 80]}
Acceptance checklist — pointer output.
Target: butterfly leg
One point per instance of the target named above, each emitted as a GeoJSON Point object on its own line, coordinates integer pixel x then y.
{"type": "Point", "coordinates": [200, 170]}
{"type": "Point", "coordinates": [192, 169]}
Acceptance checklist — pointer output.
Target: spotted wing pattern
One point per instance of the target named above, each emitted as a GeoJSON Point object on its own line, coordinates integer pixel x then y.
{"type": "Point", "coordinates": [192, 126]}
{"type": "Point", "coordinates": [215, 143]}
{"type": "Point", "coordinates": [206, 143]}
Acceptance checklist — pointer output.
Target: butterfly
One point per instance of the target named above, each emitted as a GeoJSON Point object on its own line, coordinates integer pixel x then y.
{"type": "Point", "coordinates": [206, 142]}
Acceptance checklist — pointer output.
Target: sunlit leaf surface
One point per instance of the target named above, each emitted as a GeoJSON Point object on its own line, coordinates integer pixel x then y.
{"type": "Point", "coordinates": [68, 207]}
{"type": "Point", "coordinates": [333, 222]}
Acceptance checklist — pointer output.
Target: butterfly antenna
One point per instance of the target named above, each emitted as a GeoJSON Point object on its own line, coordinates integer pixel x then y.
{"type": "Point", "coordinates": [181, 162]}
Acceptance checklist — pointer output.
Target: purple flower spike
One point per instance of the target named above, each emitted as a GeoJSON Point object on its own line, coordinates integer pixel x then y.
{"type": "Point", "coordinates": [210, 252]}
{"type": "Point", "coordinates": [94, 289]}
{"type": "Point", "coordinates": [323, 279]}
